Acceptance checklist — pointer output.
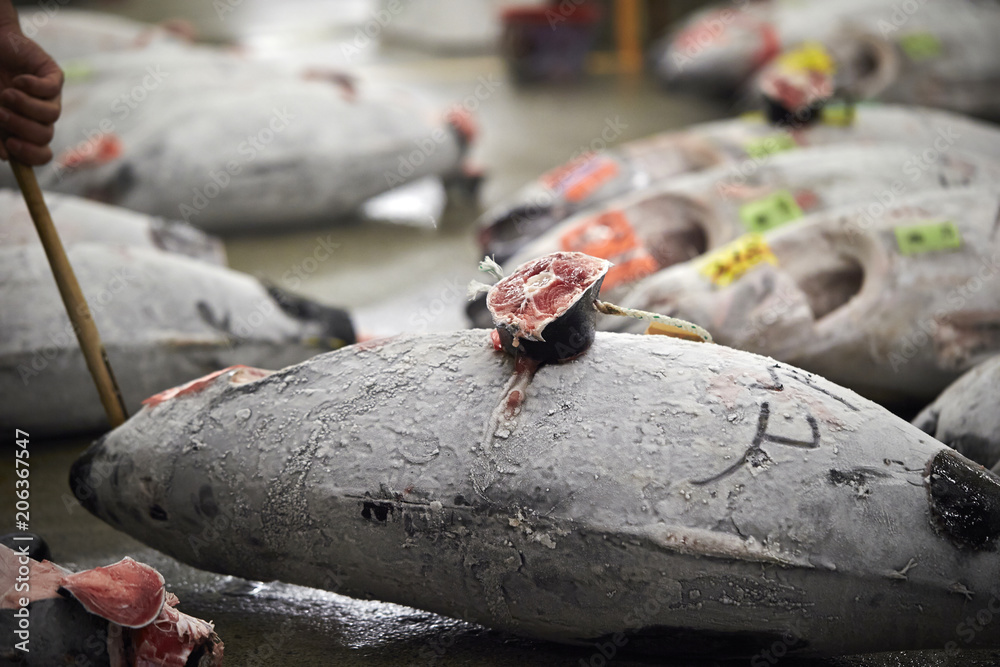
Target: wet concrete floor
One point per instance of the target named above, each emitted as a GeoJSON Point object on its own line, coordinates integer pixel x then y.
{"type": "Point", "coordinates": [395, 278]}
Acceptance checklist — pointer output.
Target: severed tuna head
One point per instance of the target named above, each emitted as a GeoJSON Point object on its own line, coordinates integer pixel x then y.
{"type": "Point", "coordinates": [545, 309]}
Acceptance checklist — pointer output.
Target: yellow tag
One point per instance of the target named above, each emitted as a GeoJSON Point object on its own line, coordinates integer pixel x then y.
{"type": "Point", "coordinates": [732, 260]}
{"type": "Point", "coordinates": [920, 46]}
{"type": "Point", "coordinates": [752, 116]}
{"type": "Point", "coordinates": [761, 147]}
{"type": "Point", "coordinates": [840, 115]}
{"type": "Point", "coordinates": [809, 57]}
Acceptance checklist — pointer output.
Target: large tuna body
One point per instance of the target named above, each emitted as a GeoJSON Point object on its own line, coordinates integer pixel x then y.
{"type": "Point", "coordinates": [893, 301]}
{"type": "Point", "coordinates": [164, 319]}
{"type": "Point", "coordinates": [685, 216]}
{"type": "Point", "coordinates": [81, 221]}
{"type": "Point", "coordinates": [688, 495]}
{"type": "Point", "coordinates": [230, 145]}
{"type": "Point", "coordinates": [966, 415]}
{"type": "Point", "coordinates": [744, 142]}
{"type": "Point", "coordinates": [938, 54]}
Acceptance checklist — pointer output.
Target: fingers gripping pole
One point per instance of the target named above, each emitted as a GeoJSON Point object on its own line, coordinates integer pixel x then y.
{"type": "Point", "coordinates": [72, 296]}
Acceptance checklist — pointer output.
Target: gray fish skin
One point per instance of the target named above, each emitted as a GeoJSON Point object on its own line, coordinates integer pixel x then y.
{"type": "Point", "coordinates": [164, 319]}
{"type": "Point", "coordinates": [82, 221]}
{"type": "Point", "coordinates": [966, 415]}
{"type": "Point", "coordinates": [656, 159]}
{"type": "Point", "coordinates": [843, 301]}
{"type": "Point", "coordinates": [625, 495]}
{"type": "Point", "coordinates": [241, 147]}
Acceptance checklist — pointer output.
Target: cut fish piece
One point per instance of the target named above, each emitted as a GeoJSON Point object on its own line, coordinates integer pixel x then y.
{"type": "Point", "coordinates": [115, 616]}
{"type": "Point", "coordinates": [882, 299]}
{"type": "Point", "coordinates": [164, 319]}
{"type": "Point", "coordinates": [655, 468]}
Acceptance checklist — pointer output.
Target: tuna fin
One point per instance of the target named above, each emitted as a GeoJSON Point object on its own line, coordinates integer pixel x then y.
{"type": "Point", "coordinates": [965, 500]}
{"type": "Point", "coordinates": [336, 322]}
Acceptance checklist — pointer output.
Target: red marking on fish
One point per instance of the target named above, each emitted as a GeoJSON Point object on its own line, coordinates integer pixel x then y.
{"type": "Point", "coordinates": [770, 45]}
{"type": "Point", "coordinates": [372, 342]}
{"type": "Point", "coordinates": [463, 122]}
{"type": "Point", "coordinates": [806, 199]}
{"type": "Point", "coordinates": [495, 339]}
{"type": "Point", "coordinates": [242, 375]}
{"type": "Point", "coordinates": [94, 152]}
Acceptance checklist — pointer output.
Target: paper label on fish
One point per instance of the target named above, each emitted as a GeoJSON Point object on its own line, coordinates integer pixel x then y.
{"type": "Point", "coordinates": [920, 46]}
{"type": "Point", "coordinates": [761, 147]}
{"type": "Point", "coordinates": [611, 236]}
{"type": "Point", "coordinates": [578, 179]}
{"type": "Point", "coordinates": [810, 57]}
{"type": "Point", "coordinates": [915, 239]}
{"type": "Point", "coordinates": [725, 265]}
{"type": "Point", "coordinates": [769, 212]}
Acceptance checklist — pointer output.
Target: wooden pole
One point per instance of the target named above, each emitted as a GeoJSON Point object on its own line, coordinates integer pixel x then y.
{"type": "Point", "coordinates": [72, 296]}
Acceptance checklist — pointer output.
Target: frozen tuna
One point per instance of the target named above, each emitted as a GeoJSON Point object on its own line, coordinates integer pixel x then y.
{"type": "Point", "coordinates": [232, 145]}
{"type": "Point", "coordinates": [938, 54]}
{"type": "Point", "coordinates": [81, 221]}
{"type": "Point", "coordinates": [945, 56]}
{"type": "Point", "coordinates": [681, 218]}
{"type": "Point", "coordinates": [164, 319]}
{"type": "Point", "coordinates": [68, 34]}
{"type": "Point", "coordinates": [966, 415]}
{"type": "Point", "coordinates": [891, 301]}
{"type": "Point", "coordinates": [687, 496]}
{"type": "Point", "coordinates": [120, 615]}
{"type": "Point", "coordinates": [745, 143]}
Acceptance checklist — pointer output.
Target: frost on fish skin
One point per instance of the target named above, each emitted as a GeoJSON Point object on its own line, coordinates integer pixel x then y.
{"type": "Point", "coordinates": [691, 480]}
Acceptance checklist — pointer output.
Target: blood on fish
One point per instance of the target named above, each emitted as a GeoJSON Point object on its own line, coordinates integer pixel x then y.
{"type": "Point", "coordinates": [93, 152]}
{"type": "Point", "coordinates": [242, 375]}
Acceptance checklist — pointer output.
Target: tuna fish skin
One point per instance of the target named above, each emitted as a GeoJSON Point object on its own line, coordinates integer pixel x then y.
{"type": "Point", "coordinates": [243, 146]}
{"type": "Point", "coordinates": [966, 415]}
{"type": "Point", "coordinates": [69, 34]}
{"type": "Point", "coordinates": [842, 299]}
{"type": "Point", "coordinates": [688, 495]}
{"type": "Point", "coordinates": [82, 221]}
{"type": "Point", "coordinates": [743, 142]}
{"type": "Point", "coordinates": [685, 216]}
{"type": "Point", "coordinates": [164, 319]}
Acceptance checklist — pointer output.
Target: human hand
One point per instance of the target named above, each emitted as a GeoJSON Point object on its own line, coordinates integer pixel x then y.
{"type": "Point", "coordinates": [30, 95]}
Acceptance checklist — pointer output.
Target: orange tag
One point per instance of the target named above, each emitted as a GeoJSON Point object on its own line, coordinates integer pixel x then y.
{"type": "Point", "coordinates": [610, 236]}
{"type": "Point", "coordinates": [581, 177]}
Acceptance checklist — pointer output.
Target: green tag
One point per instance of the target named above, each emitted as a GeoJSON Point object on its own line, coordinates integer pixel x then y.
{"type": "Point", "coordinates": [774, 143]}
{"type": "Point", "coordinates": [913, 239]}
{"type": "Point", "coordinates": [770, 212]}
{"type": "Point", "coordinates": [920, 45]}
{"type": "Point", "coordinates": [77, 71]}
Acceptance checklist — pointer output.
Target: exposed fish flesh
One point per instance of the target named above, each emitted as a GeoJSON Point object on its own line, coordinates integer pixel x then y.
{"type": "Point", "coordinates": [81, 221]}
{"type": "Point", "coordinates": [164, 319]}
{"type": "Point", "coordinates": [882, 299]}
{"type": "Point", "coordinates": [683, 217]}
{"type": "Point", "coordinates": [966, 415]}
{"type": "Point", "coordinates": [746, 142]}
{"type": "Point", "coordinates": [641, 489]}
{"type": "Point", "coordinates": [120, 615]}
